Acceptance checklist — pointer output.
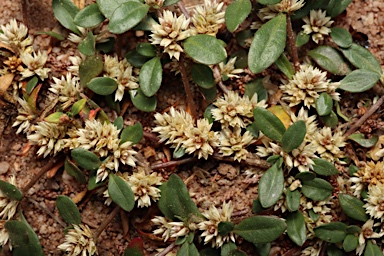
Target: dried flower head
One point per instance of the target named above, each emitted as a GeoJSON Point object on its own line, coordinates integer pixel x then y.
{"type": "Point", "coordinates": [79, 241]}
{"type": "Point", "coordinates": [8, 206]}
{"type": "Point", "coordinates": [13, 64]}
{"type": "Point", "coordinates": [168, 228]}
{"type": "Point", "coordinates": [35, 64]}
{"type": "Point", "coordinates": [26, 115]}
{"type": "Point", "coordinates": [170, 32]}
{"type": "Point", "coordinates": [233, 142]}
{"type": "Point", "coordinates": [317, 24]}
{"type": "Point", "coordinates": [210, 226]}
{"type": "Point", "coordinates": [306, 86]}
{"type": "Point", "coordinates": [208, 18]}
{"type": "Point", "coordinates": [328, 144]}
{"type": "Point", "coordinates": [66, 90]}
{"type": "Point", "coordinates": [375, 201]}
{"type": "Point", "coordinates": [228, 70]}
{"type": "Point", "coordinates": [15, 35]}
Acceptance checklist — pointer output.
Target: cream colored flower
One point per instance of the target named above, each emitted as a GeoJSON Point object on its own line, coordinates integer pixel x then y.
{"type": "Point", "coordinates": [367, 232]}
{"type": "Point", "coordinates": [310, 122]}
{"type": "Point", "coordinates": [26, 115]}
{"type": "Point", "coordinates": [107, 165]}
{"type": "Point", "coordinates": [375, 202]}
{"type": "Point", "coordinates": [233, 142]}
{"type": "Point", "coordinates": [79, 241]}
{"type": "Point", "coordinates": [328, 144]}
{"type": "Point", "coordinates": [99, 34]}
{"type": "Point", "coordinates": [169, 229]}
{"type": "Point", "coordinates": [317, 24]}
{"type": "Point", "coordinates": [210, 226]}
{"type": "Point", "coordinates": [125, 154]}
{"type": "Point", "coordinates": [271, 148]}
{"type": "Point", "coordinates": [208, 18]}
{"type": "Point", "coordinates": [287, 6]}
{"type": "Point", "coordinates": [66, 89]}
{"type": "Point", "coordinates": [15, 35]}
{"type": "Point", "coordinates": [321, 208]}
{"type": "Point", "coordinates": [49, 137]}
{"type": "Point", "coordinates": [303, 157]}
{"type": "Point", "coordinates": [170, 32]}
{"type": "Point", "coordinates": [144, 186]}
{"type": "Point", "coordinates": [35, 64]}
{"type": "Point", "coordinates": [306, 86]}
{"type": "Point", "coordinates": [75, 61]}
{"type": "Point", "coordinates": [228, 70]}
{"type": "Point", "coordinates": [8, 206]}
{"type": "Point", "coordinates": [313, 249]}
{"type": "Point", "coordinates": [4, 236]}
{"type": "Point", "coordinates": [369, 175]}
{"type": "Point", "coordinates": [154, 3]}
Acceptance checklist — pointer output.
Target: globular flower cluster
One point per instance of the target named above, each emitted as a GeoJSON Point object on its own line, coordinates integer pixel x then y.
{"type": "Point", "coordinates": [79, 241]}
{"type": "Point", "coordinates": [317, 24]}
{"type": "Point", "coordinates": [228, 69]}
{"type": "Point", "coordinates": [66, 89]}
{"type": "Point", "coordinates": [208, 18]}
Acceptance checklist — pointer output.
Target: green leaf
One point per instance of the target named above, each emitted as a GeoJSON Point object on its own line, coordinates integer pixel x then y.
{"type": "Point", "coordinates": [236, 13]}
{"type": "Point", "coordinates": [263, 249]}
{"type": "Point", "coordinates": [302, 38]}
{"type": "Point", "coordinates": [170, 2]}
{"type": "Point", "coordinates": [68, 210]}
{"type": "Point", "coordinates": [314, 216]}
{"type": "Point", "coordinates": [294, 136]}
{"type": "Point", "coordinates": [256, 206]}
{"type": "Point", "coordinates": [108, 7]}
{"type": "Point", "coordinates": [341, 37]}
{"type": "Point", "coordinates": [89, 16]}
{"type": "Point", "coordinates": [150, 77]}
{"type": "Point", "coordinates": [296, 228]}
{"type": "Point", "coordinates": [237, 253]}
{"type": "Point", "coordinates": [359, 80]}
{"type": "Point", "coordinates": [335, 7]}
{"type": "Point", "coordinates": [209, 94]}
{"type": "Point", "coordinates": [241, 58]}
{"type": "Point", "coordinates": [227, 248]}
{"type": "Point", "coordinates": [188, 249]}
{"type": "Point", "coordinates": [65, 12]}
{"type": "Point", "coordinates": [120, 192]}
{"type": "Point", "coordinates": [330, 59]}
{"type": "Point", "coordinates": [133, 133]}
{"type": "Point", "coordinates": [119, 123]}
{"type": "Point", "coordinates": [225, 227]}
{"type": "Point", "coordinates": [285, 66]}
{"type": "Point", "coordinates": [34, 245]}
{"type": "Point", "coordinates": [362, 58]}
{"type": "Point", "coordinates": [324, 104]}
{"type": "Point", "coordinates": [333, 250]}
{"type": "Point", "coordinates": [74, 171]}
{"type": "Point", "coordinates": [330, 120]}
{"type": "Point", "coordinates": [86, 159]}
{"type": "Point", "coordinates": [333, 232]}
{"type": "Point", "coordinates": [323, 167]}
{"type": "Point", "coordinates": [205, 49]}
{"type": "Point", "coordinates": [256, 86]}
{"type": "Point", "coordinates": [260, 229]}
{"type": "Point", "coordinates": [10, 191]}
{"type": "Point", "coordinates": [137, 60]}
{"type": "Point", "coordinates": [52, 34]}
{"type": "Point", "coordinates": [269, 2]}
{"type": "Point", "coordinates": [202, 75]}
{"type": "Point", "coordinates": [146, 49]}
{"type": "Point", "coordinates": [178, 153]}
{"type": "Point", "coordinates": [31, 84]}
{"type": "Point", "coordinates": [87, 46]}
{"type": "Point", "coordinates": [350, 243]}
{"type": "Point", "coordinates": [305, 176]}
{"type": "Point", "coordinates": [268, 44]}
{"type": "Point", "coordinates": [253, 130]}
{"type": "Point", "coordinates": [243, 36]}
{"type": "Point", "coordinates": [146, 24]}
{"type": "Point", "coordinates": [353, 229]}
{"type": "Point", "coordinates": [106, 46]}
{"type": "Point", "coordinates": [92, 181]}
{"type": "Point", "coordinates": [142, 102]}
{"type": "Point", "coordinates": [269, 124]}
{"type": "Point", "coordinates": [91, 67]}
{"type": "Point", "coordinates": [102, 85]}
{"type": "Point", "coordinates": [208, 114]}
{"type": "Point", "coordinates": [372, 249]}
{"type": "Point", "coordinates": [54, 117]}
{"type": "Point", "coordinates": [362, 141]}
{"type": "Point", "coordinates": [293, 200]}
{"type": "Point", "coordinates": [78, 106]}
{"type": "Point", "coordinates": [271, 186]}
{"type": "Point", "coordinates": [353, 207]}
{"type": "Point", "coordinates": [317, 189]}
{"type": "Point", "coordinates": [126, 16]}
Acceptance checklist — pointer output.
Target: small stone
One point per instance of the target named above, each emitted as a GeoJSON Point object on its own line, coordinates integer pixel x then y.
{"type": "Point", "coordinates": [4, 167]}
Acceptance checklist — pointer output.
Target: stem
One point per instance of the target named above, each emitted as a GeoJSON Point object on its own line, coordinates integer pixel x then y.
{"type": "Point", "coordinates": [249, 161]}
{"type": "Point", "coordinates": [184, 10]}
{"type": "Point", "coordinates": [292, 44]}
{"type": "Point", "coordinates": [151, 136]}
{"type": "Point", "coordinates": [172, 163]}
{"type": "Point", "coordinates": [45, 209]}
{"type": "Point", "coordinates": [167, 250]}
{"type": "Point", "coordinates": [217, 76]}
{"type": "Point", "coordinates": [105, 223]}
{"type": "Point", "coordinates": [187, 88]}
{"type": "Point", "coordinates": [48, 109]}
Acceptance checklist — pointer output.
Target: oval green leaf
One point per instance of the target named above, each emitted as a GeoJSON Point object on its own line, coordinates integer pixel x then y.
{"type": "Point", "coordinates": [362, 141]}
{"type": "Point", "coordinates": [324, 104]}
{"type": "Point", "coordinates": [150, 77]}
{"type": "Point", "coordinates": [68, 210]}
{"type": "Point", "coordinates": [293, 200]}
{"type": "Point", "coordinates": [126, 16]}
{"type": "Point", "coordinates": [142, 102]}
{"type": "Point", "coordinates": [268, 44]}
{"type": "Point", "coordinates": [137, 60]}
{"type": "Point", "coordinates": [133, 133]}
{"type": "Point", "coordinates": [333, 232]}
{"type": "Point", "coordinates": [271, 186]}
{"type": "Point", "coordinates": [11, 191]}
{"type": "Point", "coordinates": [65, 12]}
{"type": "Point", "coordinates": [296, 228]}
{"type": "Point", "coordinates": [285, 66]}
{"type": "Point", "coordinates": [305, 176]}
{"type": "Point", "coordinates": [54, 117]}
{"type": "Point", "coordinates": [260, 229]}
{"type": "Point", "coordinates": [317, 189]}
{"type": "Point", "coordinates": [74, 171]}
{"type": "Point", "coordinates": [227, 248]}
{"type": "Point", "coordinates": [269, 124]}
{"type": "Point", "coordinates": [87, 46]}
{"type": "Point", "coordinates": [108, 7]}
{"type": "Point", "coordinates": [350, 243]}
{"type": "Point", "coordinates": [256, 86]}
{"type": "Point", "coordinates": [146, 49]}
{"type": "Point", "coordinates": [362, 58]}
{"type": "Point", "coordinates": [102, 85]}
{"type": "Point", "coordinates": [225, 227]}
{"type": "Point", "coordinates": [202, 75]}
{"type": "Point", "coordinates": [120, 192]}
{"type": "Point", "coordinates": [323, 167]}
{"type": "Point", "coordinates": [31, 84]}
{"type": "Point", "coordinates": [294, 136]}
{"type": "Point", "coordinates": [78, 106]}
{"type": "Point", "coordinates": [236, 13]}
{"type": "Point", "coordinates": [372, 249]}
{"type": "Point", "coordinates": [188, 249]}
{"type": "Point", "coordinates": [359, 80]}
{"type": "Point", "coordinates": [330, 120]}
{"type": "Point", "coordinates": [330, 59]}
{"type": "Point", "coordinates": [302, 38]}
{"type": "Point", "coordinates": [341, 37]}
{"type": "Point", "coordinates": [269, 2]}
{"type": "Point", "coordinates": [335, 7]}
{"type": "Point", "coordinates": [88, 17]}
{"type": "Point", "coordinates": [91, 67]}
{"type": "Point", "coordinates": [86, 159]}
{"type": "Point", "coordinates": [119, 122]}
{"type": "Point", "coordinates": [205, 49]}
{"type": "Point", "coordinates": [353, 207]}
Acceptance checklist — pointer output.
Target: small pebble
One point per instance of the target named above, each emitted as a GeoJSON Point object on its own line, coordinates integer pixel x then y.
{"type": "Point", "coordinates": [4, 167]}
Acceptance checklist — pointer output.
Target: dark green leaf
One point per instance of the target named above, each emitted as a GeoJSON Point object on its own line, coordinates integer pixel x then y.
{"type": "Point", "coordinates": [202, 75]}
{"type": "Point", "coordinates": [209, 94]}
{"type": "Point", "coordinates": [210, 252]}
{"type": "Point", "coordinates": [19, 237]}
{"type": "Point", "coordinates": [52, 34]}
{"type": "Point", "coordinates": [256, 206]}
{"type": "Point", "coordinates": [108, 7]}
{"type": "Point", "coordinates": [205, 49]}
{"type": "Point", "coordinates": [65, 11]}
{"type": "Point", "coordinates": [302, 38]}
{"type": "Point", "coordinates": [126, 16]}
{"type": "Point", "coordinates": [170, 2]}
{"type": "Point", "coordinates": [119, 123]}
{"type": "Point", "coordinates": [353, 169]}
{"type": "Point", "coordinates": [68, 210]}
{"type": "Point", "coordinates": [353, 207]}
{"type": "Point", "coordinates": [150, 77]}
{"type": "Point", "coordinates": [145, 24]}
{"type": "Point", "coordinates": [227, 248]}
{"type": "Point", "coordinates": [86, 159]}
{"type": "Point", "coordinates": [269, 2]}
{"type": "Point", "coordinates": [317, 189]}
{"type": "Point", "coordinates": [305, 176]}
{"type": "Point", "coordinates": [253, 130]}
{"type": "Point", "coordinates": [107, 46]}
{"type": "Point", "coordinates": [91, 67]}
{"type": "Point", "coordinates": [335, 7]}
{"type": "Point", "coordinates": [294, 136]}
{"type": "Point", "coordinates": [271, 186]}
{"type": "Point", "coordinates": [256, 86]}
{"type": "Point", "coordinates": [353, 229]}
{"type": "Point", "coordinates": [269, 124]}
{"type": "Point", "coordinates": [180, 240]}
{"type": "Point", "coordinates": [314, 216]}
{"type": "Point", "coordinates": [188, 249]}
{"type": "Point", "coordinates": [323, 167]}
{"type": "Point", "coordinates": [372, 249]}
{"type": "Point", "coordinates": [359, 80]}
{"type": "Point", "coordinates": [225, 228]}
{"type": "Point", "coordinates": [333, 250]}
{"type": "Point", "coordinates": [330, 59]}
{"type": "Point", "coordinates": [260, 229]}
{"type": "Point", "coordinates": [263, 249]}
{"type": "Point", "coordinates": [341, 37]}
{"type": "Point", "coordinates": [133, 133]}
{"type": "Point", "coordinates": [241, 58]}
{"type": "Point", "coordinates": [285, 66]}
{"type": "Point", "coordinates": [92, 180]}
{"type": "Point", "coordinates": [243, 37]}
{"type": "Point", "coordinates": [362, 141]}
{"type": "Point", "coordinates": [324, 104]}
{"type": "Point", "coordinates": [350, 243]}
{"type": "Point", "coordinates": [208, 114]}
{"type": "Point", "coordinates": [293, 199]}
{"type": "Point", "coordinates": [236, 13]}
{"type": "Point", "coordinates": [137, 60]}
{"type": "Point", "coordinates": [296, 228]}
{"type": "Point", "coordinates": [268, 44]}
{"type": "Point", "coordinates": [120, 192]}
{"type": "Point", "coordinates": [34, 246]}
{"type": "Point", "coordinates": [78, 106]}
{"type": "Point", "coordinates": [102, 85]}
{"type": "Point", "coordinates": [87, 46]}
{"type": "Point", "coordinates": [10, 191]}
{"type": "Point", "coordinates": [142, 102]}
{"type": "Point", "coordinates": [89, 16]}
{"type": "Point", "coordinates": [146, 49]}
{"type": "Point", "coordinates": [74, 171]}
{"type": "Point", "coordinates": [330, 120]}
{"type": "Point", "coordinates": [333, 232]}
{"type": "Point", "coordinates": [31, 84]}
{"type": "Point", "coordinates": [362, 58]}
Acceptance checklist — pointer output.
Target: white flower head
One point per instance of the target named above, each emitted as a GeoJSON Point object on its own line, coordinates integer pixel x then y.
{"type": "Point", "coordinates": [371, 174]}
{"type": "Point", "coordinates": [66, 89]}
{"type": "Point", "coordinates": [310, 122]}
{"type": "Point", "coordinates": [287, 6]}
{"type": "Point", "coordinates": [317, 24]}
{"type": "Point", "coordinates": [15, 35]}
{"type": "Point", "coordinates": [168, 228]}
{"type": "Point", "coordinates": [208, 18]}
{"type": "Point", "coordinates": [26, 115]}
{"type": "Point", "coordinates": [329, 144]}
{"type": "Point", "coordinates": [375, 202]}
{"type": "Point", "coordinates": [4, 235]}
{"type": "Point", "coordinates": [367, 232]}
{"type": "Point", "coordinates": [35, 64]}
{"type": "Point", "coordinates": [8, 206]}
{"type": "Point", "coordinates": [228, 70]}
{"type": "Point", "coordinates": [233, 142]}
{"type": "Point", "coordinates": [79, 241]}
